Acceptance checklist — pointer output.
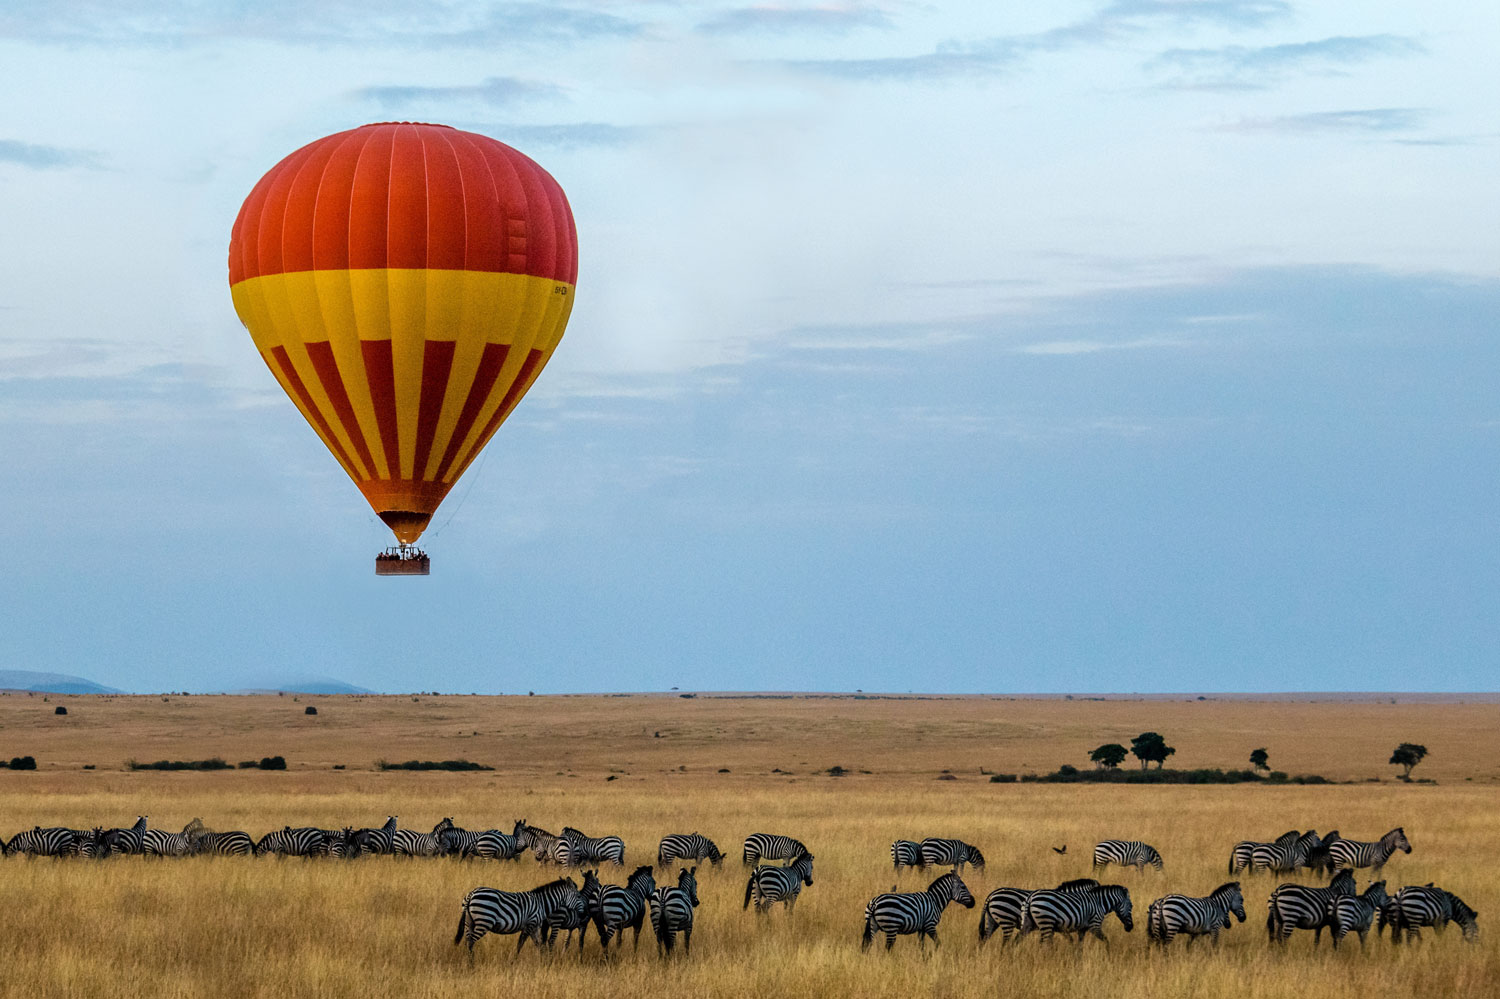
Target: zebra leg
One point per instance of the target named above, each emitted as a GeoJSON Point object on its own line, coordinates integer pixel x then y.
{"type": "Point", "coordinates": [791, 905]}
{"type": "Point", "coordinates": [890, 940]}
{"type": "Point", "coordinates": [687, 939]}
{"type": "Point", "coordinates": [933, 933]}
{"type": "Point", "coordinates": [636, 943]}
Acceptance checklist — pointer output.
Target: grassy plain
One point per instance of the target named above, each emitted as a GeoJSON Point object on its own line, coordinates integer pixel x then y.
{"type": "Point", "coordinates": [383, 927]}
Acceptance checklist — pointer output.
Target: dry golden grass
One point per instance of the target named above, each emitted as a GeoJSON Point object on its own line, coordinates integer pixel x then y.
{"type": "Point", "coordinates": [383, 927]}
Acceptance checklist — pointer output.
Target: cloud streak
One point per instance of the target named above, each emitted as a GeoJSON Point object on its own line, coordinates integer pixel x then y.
{"type": "Point", "coordinates": [776, 19]}
{"type": "Point", "coordinates": [1357, 121]}
{"type": "Point", "coordinates": [1239, 67]}
{"type": "Point", "coordinates": [494, 91]}
{"type": "Point", "coordinates": [40, 157]}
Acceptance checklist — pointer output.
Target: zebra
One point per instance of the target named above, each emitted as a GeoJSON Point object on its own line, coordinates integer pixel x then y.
{"type": "Point", "coordinates": [620, 907]}
{"type": "Point", "coordinates": [336, 843]}
{"type": "Point", "coordinates": [1003, 908]}
{"type": "Point", "coordinates": [672, 912]}
{"type": "Point", "coordinates": [540, 842]}
{"type": "Point", "coordinates": [566, 910]}
{"type": "Point", "coordinates": [577, 849]}
{"type": "Point", "coordinates": [905, 853]}
{"type": "Point", "coordinates": [54, 841]}
{"type": "Point", "coordinates": [492, 844]}
{"type": "Point", "coordinates": [770, 884]}
{"type": "Point", "coordinates": [1173, 914]}
{"type": "Point", "coordinates": [1320, 858]}
{"type": "Point", "coordinates": [769, 846]}
{"type": "Point", "coordinates": [1426, 905]}
{"type": "Point", "coordinates": [953, 853]}
{"type": "Point", "coordinates": [113, 841]}
{"type": "Point", "coordinates": [160, 843]}
{"type": "Point", "coordinates": [410, 843]}
{"type": "Point", "coordinates": [1277, 858]}
{"type": "Point", "coordinates": [87, 842]}
{"type": "Point", "coordinates": [900, 913]}
{"type": "Point", "coordinates": [382, 840]}
{"type": "Point", "coordinates": [1356, 912]}
{"type": "Point", "coordinates": [485, 910]}
{"type": "Point", "coordinates": [1352, 853]}
{"type": "Point", "coordinates": [1126, 853]}
{"type": "Point", "coordinates": [223, 844]}
{"type": "Point", "coordinates": [303, 841]}
{"type": "Point", "coordinates": [1299, 907]}
{"type": "Point", "coordinates": [1239, 857]}
{"type": "Point", "coordinates": [1081, 911]}
{"type": "Point", "coordinates": [687, 846]}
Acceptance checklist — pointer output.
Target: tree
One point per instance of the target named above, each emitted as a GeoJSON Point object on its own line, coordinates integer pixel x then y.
{"type": "Point", "coordinates": [1260, 759]}
{"type": "Point", "coordinates": [1108, 756]}
{"type": "Point", "coordinates": [1408, 755]}
{"type": "Point", "coordinates": [1151, 748]}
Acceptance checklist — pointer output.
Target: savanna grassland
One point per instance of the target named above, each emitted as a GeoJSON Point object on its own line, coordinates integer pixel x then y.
{"type": "Point", "coordinates": [384, 926]}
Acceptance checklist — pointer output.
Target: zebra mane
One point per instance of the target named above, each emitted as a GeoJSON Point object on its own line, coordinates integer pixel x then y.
{"type": "Point", "coordinates": [559, 883]}
{"type": "Point", "coordinates": [1224, 889]}
{"type": "Point", "coordinates": [1462, 913]}
{"type": "Point", "coordinates": [1288, 838]}
{"type": "Point", "coordinates": [1078, 883]}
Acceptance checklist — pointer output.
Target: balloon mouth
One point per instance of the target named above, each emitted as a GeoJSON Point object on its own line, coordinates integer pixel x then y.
{"type": "Point", "coordinates": [406, 525]}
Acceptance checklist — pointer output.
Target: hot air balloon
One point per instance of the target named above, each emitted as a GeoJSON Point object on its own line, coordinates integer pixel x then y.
{"type": "Point", "coordinates": [406, 284]}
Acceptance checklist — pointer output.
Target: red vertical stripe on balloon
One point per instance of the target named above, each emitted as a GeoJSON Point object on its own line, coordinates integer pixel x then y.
{"type": "Point", "coordinates": [300, 390]}
{"type": "Point", "coordinates": [381, 375]}
{"type": "Point", "coordinates": [490, 363]}
{"type": "Point", "coordinates": [437, 363]}
{"type": "Point", "coordinates": [327, 367]}
{"type": "Point", "coordinates": [524, 378]}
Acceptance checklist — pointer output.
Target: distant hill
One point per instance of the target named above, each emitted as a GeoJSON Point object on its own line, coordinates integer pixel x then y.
{"type": "Point", "coordinates": [306, 685]}
{"type": "Point", "coordinates": [51, 683]}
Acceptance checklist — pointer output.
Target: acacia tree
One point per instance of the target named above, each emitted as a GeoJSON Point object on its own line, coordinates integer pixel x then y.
{"type": "Point", "coordinates": [1408, 755]}
{"type": "Point", "coordinates": [1108, 756]}
{"type": "Point", "coordinates": [1149, 747]}
{"type": "Point", "coordinates": [1260, 759]}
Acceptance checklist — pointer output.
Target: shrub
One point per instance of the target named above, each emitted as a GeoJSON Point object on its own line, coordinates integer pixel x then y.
{"type": "Point", "coordinates": [60, 710]}
{"type": "Point", "coordinates": [273, 763]}
{"type": "Point", "coordinates": [1002, 778]}
{"type": "Point", "coordinates": [431, 765]}
{"type": "Point", "coordinates": [1277, 776]}
{"type": "Point", "coordinates": [310, 710]}
{"type": "Point", "coordinates": [210, 764]}
{"type": "Point", "coordinates": [23, 763]}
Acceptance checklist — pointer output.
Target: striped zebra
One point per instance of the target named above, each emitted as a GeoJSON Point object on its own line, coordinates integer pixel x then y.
{"type": "Point", "coordinates": [1279, 858]}
{"type": "Point", "coordinates": [54, 841]}
{"type": "Point", "coordinates": [577, 849]}
{"type": "Point", "coordinates": [336, 843]}
{"type": "Point", "coordinates": [1352, 853]}
{"type": "Point", "coordinates": [1300, 907]}
{"type": "Point", "coordinates": [221, 844]}
{"type": "Point", "coordinates": [770, 884]}
{"type": "Point", "coordinates": [901, 913]}
{"type": "Point", "coordinates": [303, 841]}
{"type": "Point", "coordinates": [87, 843]}
{"type": "Point", "coordinates": [160, 843]}
{"type": "Point", "coordinates": [1354, 913]}
{"type": "Point", "coordinates": [485, 910]}
{"type": "Point", "coordinates": [672, 912]}
{"type": "Point", "coordinates": [620, 907]}
{"type": "Point", "coordinates": [410, 843]}
{"type": "Point", "coordinates": [377, 841]}
{"type": "Point", "coordinates": [492, 844]}
{"type": "Point", "coordinates": [1126, 853]}
{"type": "Point", "coordinates": [769, 846]}
{"type": "Point", "coordinates": [540, 842]}
{"type": "Point", "coordinates": [127, 841]}
{"type": "Point", "coordinates": [687, 846]}
{"type": "Point", "coordinates": [1239, 857]}
{"type": "Point", "coordinates": [1427, 905]}
{"type": "Point", "coordinates": [566, 910]}
{"type": "Point", "coordinates": [1004, 907]}
{"type": "Point", "coordinates": [1320, 858]}
{"type": "Point", "coordinates": [1171, 915]}
{"type": "Point", "coordinates": [954, 853]}
{"type": "Point", "coordinates": [905, 853]}
{"type": "Point", "coordinates": [1080, 911]}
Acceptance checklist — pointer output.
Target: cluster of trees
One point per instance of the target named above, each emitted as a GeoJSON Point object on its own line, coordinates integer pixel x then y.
{"type": "Point", "coordinates": [1150, 747]}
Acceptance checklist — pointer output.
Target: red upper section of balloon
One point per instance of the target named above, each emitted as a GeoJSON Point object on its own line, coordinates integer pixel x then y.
{"type": "Point", "coordinates": [407, 195]}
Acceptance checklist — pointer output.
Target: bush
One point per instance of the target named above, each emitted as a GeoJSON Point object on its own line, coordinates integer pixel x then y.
{"type": "Point", "coordinates": [211, 764]}
{"type": "Point", "coordinates": [1277, 777]}
{"type": "Point", "coordinates": [1002, 778]}
{"type": "Point", "coordinates": [22, 763]}
{"type": "Point", "coordinates": [310, 710]}
{"type": "Point", "coordinates": [273, 763]}
{"type": "Point", "coordinates": [60, 710]}
{"type": "Point", "coordinates": [1067, 770]}
{"type": "Point", "coordinates": [431, 765]}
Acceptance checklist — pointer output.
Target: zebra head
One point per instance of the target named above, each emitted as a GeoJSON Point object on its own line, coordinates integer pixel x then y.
{"type": "Point", "coordinates": [1153, 857]}
{"type": "Point", "coordinates": [714, 856]}
{"type": "Point", "coordinates": [951, 888]}
{"type": "Point", "coordinates": [1343, 882]}
{"type": "Point", "coordinates": [976, 858]}
{"type": "Point", "coordinates": [522, 834]}
{"type": "Point", "coordinates": [689, 884]}
{"type": "Point", "coordinates": [641, 882]}
{"type": "Point", "coordinates": [802, 867]}
{"type": "Point", "coordinates": [1465, 917]}
{"type": "Point", "coordinates": [442, 827]}
{"type": "Point", "coordinates": [1396, 839]}
{"type": "Point", "coordinates": [1118, 899]}
{"type": "Point", "coordinates": [591, 888]}
{"type": "Point", "coordinates": [1375, 895]}
{"type": "Point", "coordinates": [1232, 899]}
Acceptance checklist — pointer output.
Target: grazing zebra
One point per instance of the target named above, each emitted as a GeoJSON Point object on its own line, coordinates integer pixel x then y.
{"type": "Point", "coordinates": [901, 913]}
{"type": "Point", "coordinates": [410, 843]}
{"type": "Point", "coordinates": [687, 846]}
{"type": "Point", "coordinates": [1004, 907]}
{"type": "Point", "coordinates": [620, 907]}
{"type": "Point", "coordinates": [38, 842]}
{"type": "Point", "coordinates": [1173, 914]}
{"type": "Point", "coordinates": [769, 846]}
{"type": "Point", "coordinates": [303, 841]}
{"type": "Point", "coordinates": [1239, 857]}
{"type": "Point", "coordinates": [576, 849]}
{"type": "Point", "coordinates": [1080, 911]}
{"type": "Point", "coordinates": [954, 853]}
{"type": "Point", "coordinates": [770, 884]}
{"type": "Point", "coordinates": [566, 910]}
{"type": "Point", "coordinates": [1126, 853]}
{"type": "Point", "coordinates": [492, 844]}
{"type": "Point", "coordinates": [222, 844]}
{"type": "Point", "coordinates": [1299, 907]}
{"type": "Point", "coordinates": [87, 842]}
{"type": "Point", "coordinates": [540, 842]}
{"type": "Point", "coordinates": [336, 843]}
{"type": "Point", "coordinates": [1426, 905]}
{"type": "Point", "coordinates": [905, 853]}
{"type": "Point", "coordinates": [1352, 853]}
{"type": "Point", "coordinates": [485, 910]}
{"type": "Point", "coordinates": [672, 912]}
{"type": "Point", "coordinates": [1355, 913]}
{"type": "Point", "coordinates": [160, 843]}
{"type": "Point", "coordinates": [379, 841]}
{"type": "Point", "coordinates": [129, 841]}
{"type": "Point", "coordinates": [1279, 858]}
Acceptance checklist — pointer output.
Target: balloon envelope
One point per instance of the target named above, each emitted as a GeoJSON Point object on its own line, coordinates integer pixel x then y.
{"type": "Point", "coordinates": [405, 283]}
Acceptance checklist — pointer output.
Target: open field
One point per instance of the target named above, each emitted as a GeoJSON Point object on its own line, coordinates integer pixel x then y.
{"type": "Point", "coordinates": [383, 927]}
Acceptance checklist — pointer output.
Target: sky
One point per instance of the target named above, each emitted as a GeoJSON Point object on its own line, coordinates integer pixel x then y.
{"type": "Point", "coordinates": [1145, 345]}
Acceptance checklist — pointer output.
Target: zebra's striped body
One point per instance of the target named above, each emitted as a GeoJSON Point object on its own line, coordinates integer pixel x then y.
{"type": "Point", "coordinates": [127, 841]}
{"type": "Point", "coordinates": [576, 849]}
{"type": "Point", "coordinates": [336, 843]}
{"type": "Point", "coordinates": [54, 841]}
{"type": "Point", "coordinates": [492, 844]}
{"type": "Point", "coordinates": [222, 844]}
{"type": "Point", "coordinates": [410, 843]}
{"type": "Point", "coordinates": [954, 853]}
{"type": "Point", "coordinates": [1239, 857]}
{"type": "Point", "coordinates": [1171, 915]}
{"type": "Point", "coordinates": [1126, 853]}
{"type": "Point", "coordinates": [687, 846]}
{"type": "Point", "coordinates": [1352, 853]}
{"type": "Point", "coordinates": [485, 910]}
{"type": "Point", "coordinates": [1320, 858]}
{"type": "Point", "coordinates": [540, 842]}
{"type": "Point", "coordinates": [1284, 858]}
{"type": "Point", "coordinates": [87, 843]}
{"type": "Point", "coordinates": [672, 912]}
{"type": "Point", "coordinates": [374, 841]}
{"type": "Point", "coordinates": [1300, 907]}
{"type": "Point", "coordinates": [902, 913]}
{"type": "Point", "coordinates": [566, 910]}
{"type": "Point", "coordinates": [1426, 905]}
{"type": "Point", "coordinates": [1079, 911]}
{"type": "Point", "coordinates": [906, 853]}
{"type": "Point", "coordinates": [769, 846]}
{"type": "Point", "coordinates": [1354, 913]}
{"type": "Point", "coordinates": [620, 907]}
{"type": "Point", "coordinates": [770, 884]}
{"type": "Point", "coordinates": [1004, 907]}
{"type": "Point", "coordinates": [160, 843]}
{"type": "Point", "coordinates": [304, 841]}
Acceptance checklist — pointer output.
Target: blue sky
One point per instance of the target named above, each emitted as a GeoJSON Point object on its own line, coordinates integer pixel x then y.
{"type": "Point", "coordinates": [1134, 346]}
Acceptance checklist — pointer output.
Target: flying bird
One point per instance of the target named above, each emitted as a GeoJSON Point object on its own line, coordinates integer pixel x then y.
{"type": "Point", "coordinates": [1060, 849]}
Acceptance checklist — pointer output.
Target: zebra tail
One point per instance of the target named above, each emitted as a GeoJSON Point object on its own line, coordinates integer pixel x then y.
{"type": "Point", "coordinates": [463, 922]}
{"type": "Point", "coordinates": [869, 934]}
{"type": "Point", "coordinates": [749, 890]}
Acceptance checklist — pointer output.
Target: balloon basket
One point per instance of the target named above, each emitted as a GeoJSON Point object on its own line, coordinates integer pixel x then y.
{"type": "Point", "coordinates": [403, 560]}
